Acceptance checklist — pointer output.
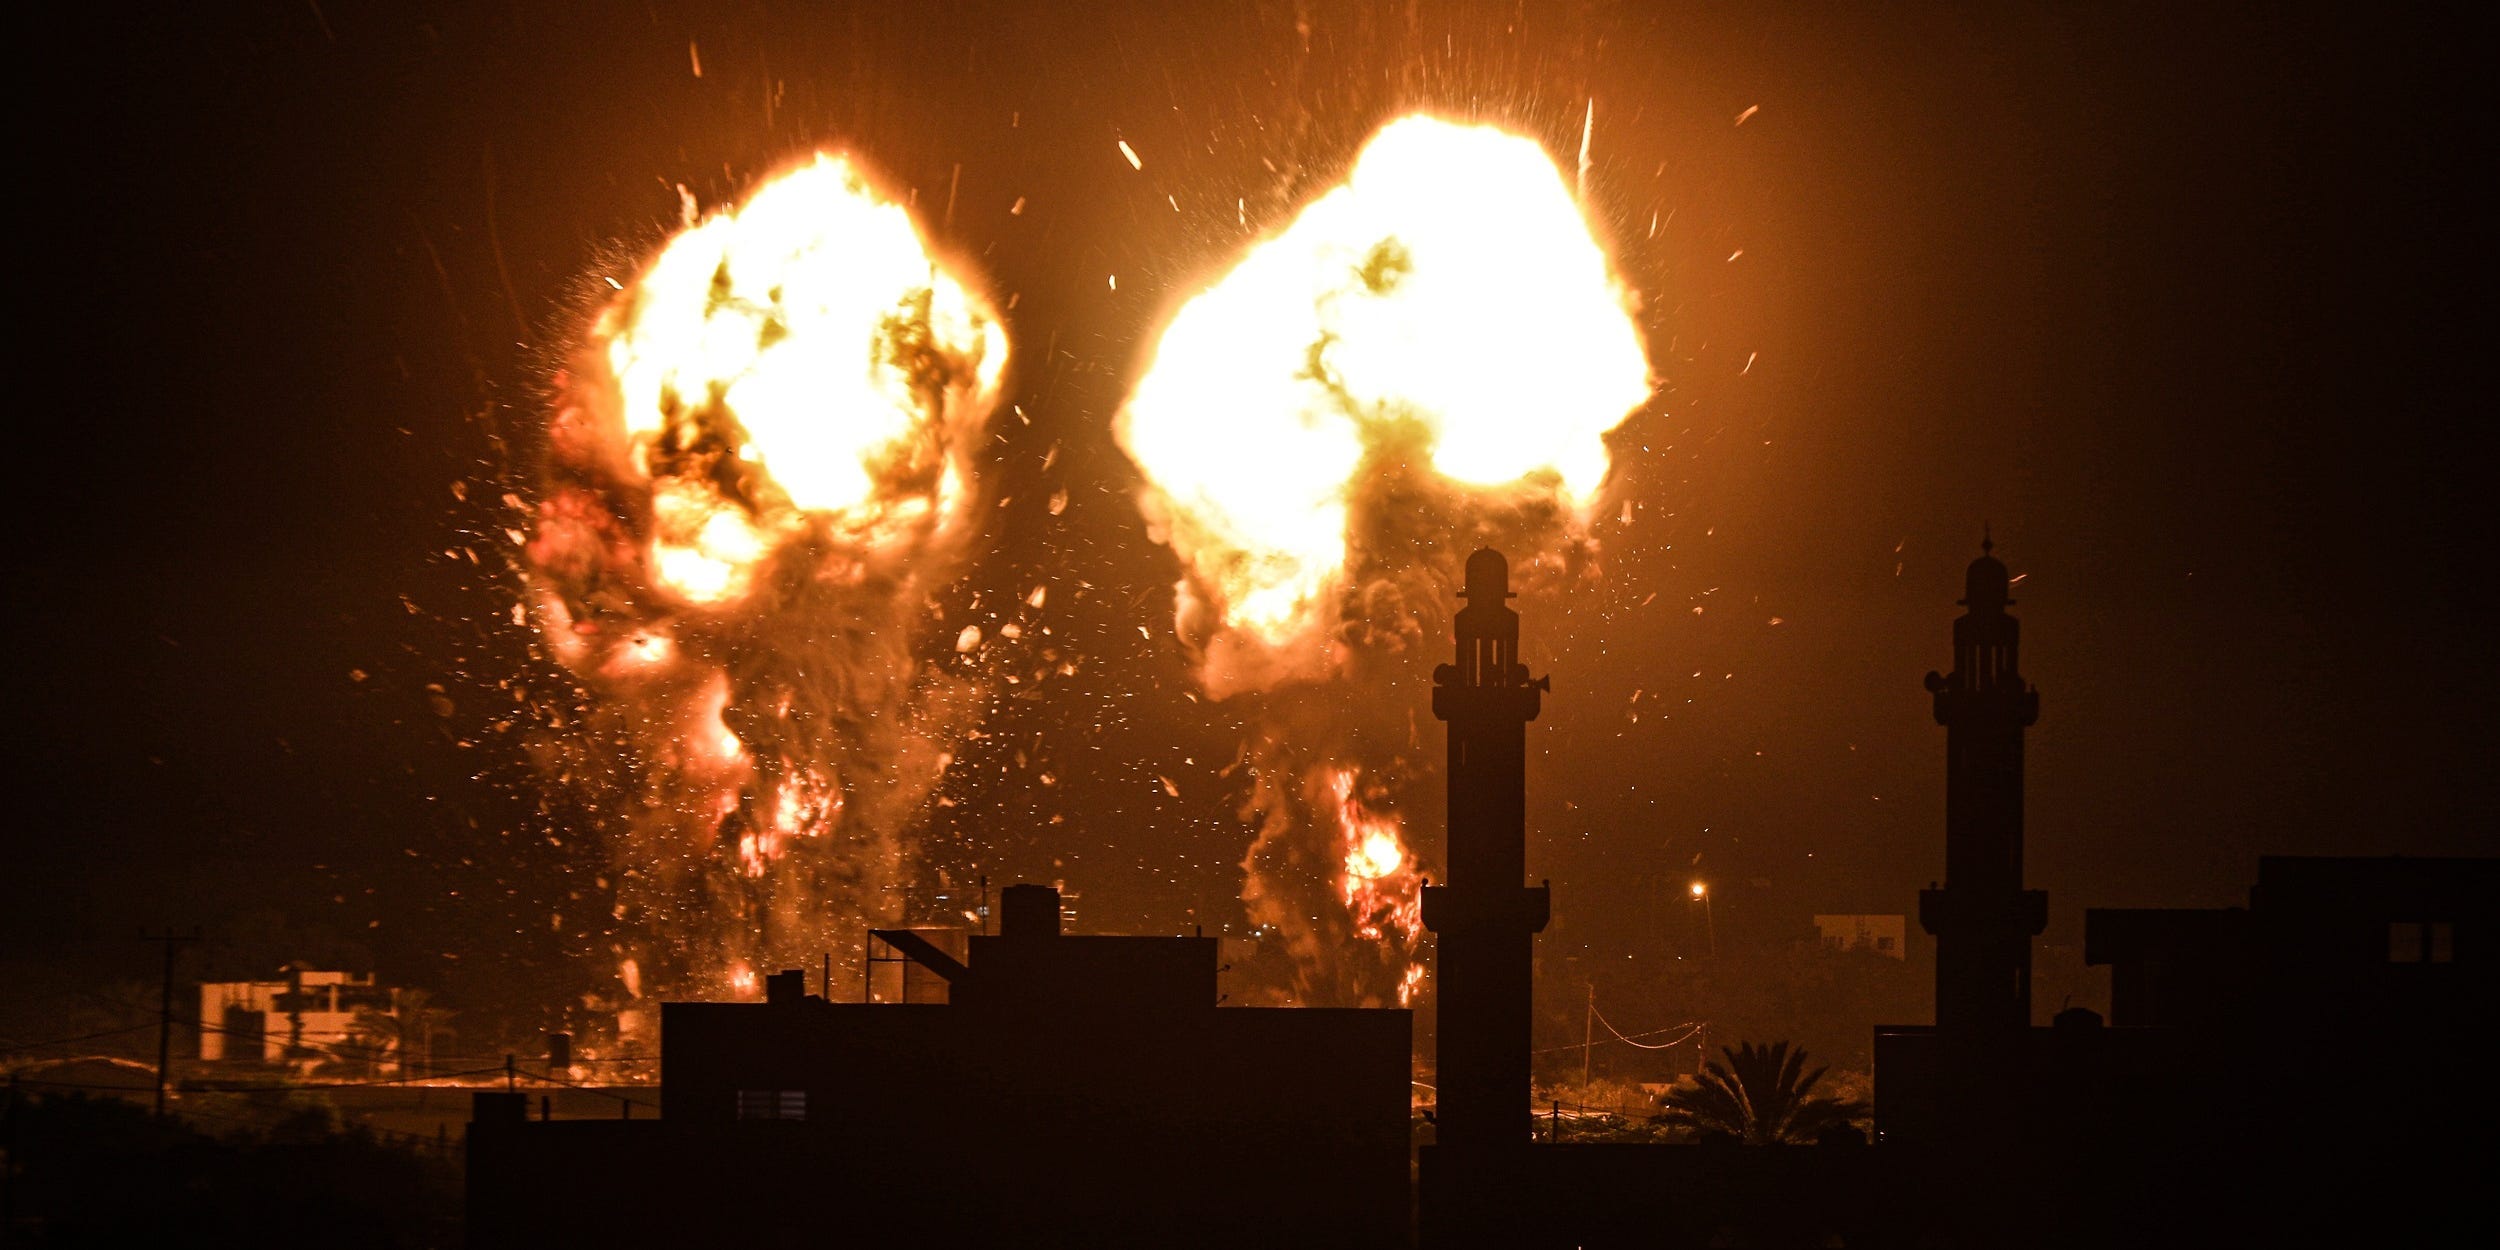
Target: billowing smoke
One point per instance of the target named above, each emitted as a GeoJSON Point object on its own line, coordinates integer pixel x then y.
{"type": "Point", "coordinates": [758, 472]}
{"type": "Point", "coordinates": [1425, 360]}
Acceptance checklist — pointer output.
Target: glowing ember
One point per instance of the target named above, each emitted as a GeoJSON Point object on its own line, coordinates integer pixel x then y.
{"type": "Point", "coordinates": [1448, 293]}
{"type": "Point", "coordinates": [758, 470]}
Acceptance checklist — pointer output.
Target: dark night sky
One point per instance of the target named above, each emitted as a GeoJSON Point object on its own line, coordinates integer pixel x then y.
{"type": "Point", "coordinates": [2182, 304]}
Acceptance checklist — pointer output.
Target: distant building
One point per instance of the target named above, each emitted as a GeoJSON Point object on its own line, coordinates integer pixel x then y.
{"type": "Point", "coordinates": [1066, 1091]}
{"type": "Point", "coordinates": [1884, 935]}
{"type": "Point", "coordinates": [308, 1017]}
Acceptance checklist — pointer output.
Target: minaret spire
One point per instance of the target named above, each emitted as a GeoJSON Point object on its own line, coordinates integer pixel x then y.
{"type": "Point", "coordinates": [1486, 918]}
{"type": "Point", "coordinates": [1983, 918]}
{"type": "Point", "coordinates": [1487, 922]}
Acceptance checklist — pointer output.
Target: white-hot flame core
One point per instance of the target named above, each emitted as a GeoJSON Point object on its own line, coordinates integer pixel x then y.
{"type": "Point", "coordinates": [1377, 855]}
{"type": "Point", "coordinates": [1450, 283]}
{"type": "Point", "coordinates": [784, 332]}
{"type": "Point", "coordinates": [1381, 882]}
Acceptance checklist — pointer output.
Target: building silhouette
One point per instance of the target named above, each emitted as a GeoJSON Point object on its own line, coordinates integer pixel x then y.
{"type": "Point", "coordinates": [2306, 1070]}
{"type": "Point", "coordinates": [2381, 971]}
{"type": "Point", "coordinates": [1070, 1090]}
{"type": "Point", "coordinates": [2192, 1114]}
{"type": "Point", "coordinates": [2398, 944]}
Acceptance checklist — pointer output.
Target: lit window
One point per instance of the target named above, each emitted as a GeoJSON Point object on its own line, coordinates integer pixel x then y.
{"type": "Point", "coordinates": [772, 1104]}
{"type": "Point", "coordinates": [2443, 943]}
{"type": "Point", "coordinates": [2404, 942]}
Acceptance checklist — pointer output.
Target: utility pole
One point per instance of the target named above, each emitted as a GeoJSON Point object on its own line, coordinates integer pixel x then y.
{"type": "Point", "coordinates": [1710, 922]}
{"type": "Point", "coordinates": [8, 1166]}
{"type": "Point", "coordinates": [1588, 1041]}
{"type": "Point", "coordinates": [165, 1007]}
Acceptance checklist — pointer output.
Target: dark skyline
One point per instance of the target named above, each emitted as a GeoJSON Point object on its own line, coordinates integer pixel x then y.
{"type": "Point", "coordinates": [2180, 305]}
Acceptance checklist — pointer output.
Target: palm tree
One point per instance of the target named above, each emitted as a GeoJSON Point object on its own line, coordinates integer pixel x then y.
{"type": "Point", "coordinates": [403, 1035]}
{"type": "Point", "coordinates": [420, 1022]}
{"type": "Point", "coordinates": [1761, 1096]}
{"type": "Point", "coordinates": [375, 1035]}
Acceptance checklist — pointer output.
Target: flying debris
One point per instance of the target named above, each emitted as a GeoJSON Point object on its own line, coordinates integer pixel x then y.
{"type": "Point", "coordinates": [760, 465]}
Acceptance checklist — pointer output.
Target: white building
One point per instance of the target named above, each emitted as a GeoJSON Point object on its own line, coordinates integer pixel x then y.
{"type": "Point", "coordinates": [1884, 935]}
{"type": "Point", "coordinates": [306, 1018]}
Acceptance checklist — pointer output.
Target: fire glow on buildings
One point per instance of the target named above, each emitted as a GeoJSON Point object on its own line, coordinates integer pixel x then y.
{"type": "Point", "coordinates": [310, 1017]}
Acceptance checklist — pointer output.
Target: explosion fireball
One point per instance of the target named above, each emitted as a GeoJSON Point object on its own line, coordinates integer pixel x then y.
{"type": "Point", "coordinates": [1427, 358]}
{"type": "Point", "coordinates": [757, 472]}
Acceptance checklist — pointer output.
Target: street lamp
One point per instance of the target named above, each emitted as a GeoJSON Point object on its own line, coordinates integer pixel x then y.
{"type": "Point", "coordinates": [1701, 895]}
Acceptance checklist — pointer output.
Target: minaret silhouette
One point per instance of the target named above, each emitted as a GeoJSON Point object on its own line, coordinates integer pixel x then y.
{"type": "Point", "coordinates": [1487, 920]}
{"type": "Point", "coordinates": [1983, 918]}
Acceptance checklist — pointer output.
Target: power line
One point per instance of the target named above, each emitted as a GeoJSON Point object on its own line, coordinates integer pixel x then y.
{"type": "Point", "coordinates": [64, 1041]}
{"type": "Point", "coordinates": [1690, 1027]}
{"type": "Point", "coordinates": [585, 1087]}
{"type": "Point", "coordinates": [1691, 1030]}
{"type": "Point", "coordinates": [287, 1087]}
{"type": "Point", "coordinates": [165, 1006]}
{"type": "Point", "coordinates": [341, 1049]}
{"type": "Point", "coordinates": [348, 1049]}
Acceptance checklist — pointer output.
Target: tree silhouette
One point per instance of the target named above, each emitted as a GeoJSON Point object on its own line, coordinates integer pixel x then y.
{"type": "Point", "coordinates": [375, 1036]}
{"type": "Point", "coordinates": [404, 1034]}
{"type": "Point", "coordinates": [1761, 1095]}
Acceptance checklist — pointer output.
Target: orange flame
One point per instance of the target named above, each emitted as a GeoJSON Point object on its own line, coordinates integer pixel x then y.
{"type": "Point", "coordinates": [1380, 882]}
{"type": "Point", "coordinates": [762, 451]}
{"type": "Point", "coordinates": [1439, 343]}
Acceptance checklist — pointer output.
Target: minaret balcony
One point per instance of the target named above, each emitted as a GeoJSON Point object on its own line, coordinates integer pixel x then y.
{"type": "Point", "coordinates": [1967, 911]}
{"type": "Point", "coordinates": [1487, 909]}
{"type": "Point", "coordinates": [1519, 702]}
